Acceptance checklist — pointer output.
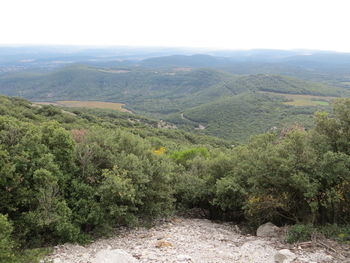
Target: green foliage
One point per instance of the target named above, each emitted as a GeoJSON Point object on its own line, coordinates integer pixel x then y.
{"type": "Point", "coordinates": [295, 176]}
{"type": "Point", "coordinates": [230, 195]}
{"type": "Point", "coordinates": [337, 232]}
{"type": "Point", "coordinates": [239, 117]}
{"type": "Point", "coordinates": [6, 243]}
{"type": "Point", "coordinates": [229, 106]}
{"type": "Point", "coordinates": [70, 182]}
{"type": "Point", "coordinates": [183, 157]}
{"type": "Point", "coordinates": [8, 248]}
{"type": "Point", "coordinates": [300, 233]}
{"type": "Point", "coordinates": [66, 186]}
{"type": "Point", "coordinates": [288, 85]}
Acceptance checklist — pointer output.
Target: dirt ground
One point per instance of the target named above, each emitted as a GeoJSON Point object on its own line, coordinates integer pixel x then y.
{"type": "Point", "coordinates": [196, 241]}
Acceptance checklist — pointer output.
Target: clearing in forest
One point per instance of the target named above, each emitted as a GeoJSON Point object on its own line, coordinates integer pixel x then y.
{"type": "Point", "coordinates": [303, 100]}
{"type": "Point", "coordinates": [88, 104]}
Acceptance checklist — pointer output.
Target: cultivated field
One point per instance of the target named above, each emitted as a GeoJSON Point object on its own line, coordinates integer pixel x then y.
{"type": "Point", "coordinates": [303, 100]}
{"type": "Point", "coordinates": [88, 104]}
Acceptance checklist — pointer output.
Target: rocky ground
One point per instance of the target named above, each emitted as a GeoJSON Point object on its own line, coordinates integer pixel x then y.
{"type": "Point", "coordinates": [196, 241]}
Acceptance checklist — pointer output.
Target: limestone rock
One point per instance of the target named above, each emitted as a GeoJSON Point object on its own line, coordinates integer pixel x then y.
{"type": "Point", "coordinates": [328, 258]}
{"type": "Point", "coordinates": [113, 256]}
{"type": "Point", "coordinates": [268, 230]}
{"type": "Point", "coordinates": [255, 251]}
{"type": "Point", "coordinates": [284, 256]}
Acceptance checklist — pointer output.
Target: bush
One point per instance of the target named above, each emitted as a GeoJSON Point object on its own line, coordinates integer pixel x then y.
{"type": "Point", "coordinates": [300, 233]}
{"type": "Point", "coordinates": [56, 189]}
{"type": "Point", "coordinates": [334, 231]}
{"type": "Point", "coordinates": [6, 244]}
{"type": "Point", "coordinates": [8, 247]}
{"type": "Point", "coordinates": [184, 157]}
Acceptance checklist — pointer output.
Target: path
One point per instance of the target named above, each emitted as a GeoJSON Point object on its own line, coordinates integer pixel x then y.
{"type": "Point", "coordinates": [188, 240]}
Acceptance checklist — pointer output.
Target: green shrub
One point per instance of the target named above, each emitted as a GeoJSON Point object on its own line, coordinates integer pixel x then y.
{"type": "Point", "coordinates": [56, 187]}
{"type": "Point", "coordinates": [334, 231]}
{"type": "Point", "coordinates": [300, 233]}
{"type": "Point", "coordinates": [6, 243]}
{"type": "Point", "coordinates": [184, 157]}
{"type": "Point", "coordinates": [190, 190]}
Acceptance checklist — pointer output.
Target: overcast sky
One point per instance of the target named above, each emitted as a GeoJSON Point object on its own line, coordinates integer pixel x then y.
{"type": "Point", "coordinates": [228, 24]}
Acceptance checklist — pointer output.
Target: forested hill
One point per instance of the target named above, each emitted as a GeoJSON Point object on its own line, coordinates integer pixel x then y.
{"type": "Point", "coordinates": [84, 118]}
{"type": "Point", "coordinates": [206, 101]}
{"type": "Point", "coordinates": [124, 84]}
{"type": "Point", "coordinates": [73, 175]}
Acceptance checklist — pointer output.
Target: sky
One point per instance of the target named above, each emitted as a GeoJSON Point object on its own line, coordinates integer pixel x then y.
{"type": "Point", "coordinates": [219, 24]}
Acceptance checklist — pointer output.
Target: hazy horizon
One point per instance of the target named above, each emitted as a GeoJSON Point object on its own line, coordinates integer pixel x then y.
{"type": "Point", "coordinates": [183, 48]}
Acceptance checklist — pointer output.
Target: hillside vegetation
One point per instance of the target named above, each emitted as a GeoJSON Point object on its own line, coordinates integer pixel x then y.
{"type": "Point", "coordinates": [227, 106]}
{"type": "Point", "coordinates": [240, 116]}
{"type": "Point", "coordinates": [71, 178]}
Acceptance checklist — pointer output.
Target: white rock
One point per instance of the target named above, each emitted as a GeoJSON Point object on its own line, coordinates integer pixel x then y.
{"type": "Point", "coordinates": [319, 256]}
{"type": "Point", "coordinates": [267, 230]}
{"type": "Point", "coordinates": [257, 251]}
{"type": "Point", "coordinates": [284, 256]}
{"type": "Point", "coordinates": [113, 256]}
{"type": "Point", "coordinates": [183, 258]}
{"type": "Point", "coordinates": [328, 258]}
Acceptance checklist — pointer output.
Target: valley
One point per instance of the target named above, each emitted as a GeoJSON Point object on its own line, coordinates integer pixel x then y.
{"type": "Point", "coordinates": [229, 106]}
{"type": "Point", "coordinates": [174, 131]}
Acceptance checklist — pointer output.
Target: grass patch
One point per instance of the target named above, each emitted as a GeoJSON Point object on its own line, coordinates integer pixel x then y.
{"type": "Point", "coordinates": [320, 102]}
{"type": "Point", "coordinates": [303, 100]}
{"type": "Point", "coordinates": [307, 103]}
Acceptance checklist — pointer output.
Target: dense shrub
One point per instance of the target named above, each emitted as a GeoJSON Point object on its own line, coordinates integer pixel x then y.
{"type": "Point", "coordinates": [300, 233]}
{"type": "Point", "coordinates": [6, 243]}
{"type": "Point", "coordinates": [57, 190]}
{"type": "Point", "coordinates": [70, 183]}
{"type": "Point", "coordinates": [295, 176]}
{"type": "Point", "coordinates": [184, 157]}
{"type": "Point", "coordinates": [338, 232]}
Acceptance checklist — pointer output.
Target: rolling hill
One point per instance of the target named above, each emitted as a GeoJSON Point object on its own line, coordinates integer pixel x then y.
{"type": "Point", "coordinates": [241, 116]}
{"type": "Point", "coordinates": [202, 100]}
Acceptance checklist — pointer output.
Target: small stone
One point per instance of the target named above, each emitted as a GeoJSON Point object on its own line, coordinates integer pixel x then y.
{"type": "Point", "coordinates": [176, 220]}
{"type": "Point", "coordinates": [137, 255]}
{"type": "Point", "coordinates": [113, 256]}
{"type": "Point", "coordinates": [328, 258]}
{"type": "Point", "coordinates": [284, 256]}
{"type": "Point", "coordinates": [163, 243]}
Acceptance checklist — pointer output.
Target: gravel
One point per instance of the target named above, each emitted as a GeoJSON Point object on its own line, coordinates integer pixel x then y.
{"type": "Point", "coordinates": [187, 240]}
